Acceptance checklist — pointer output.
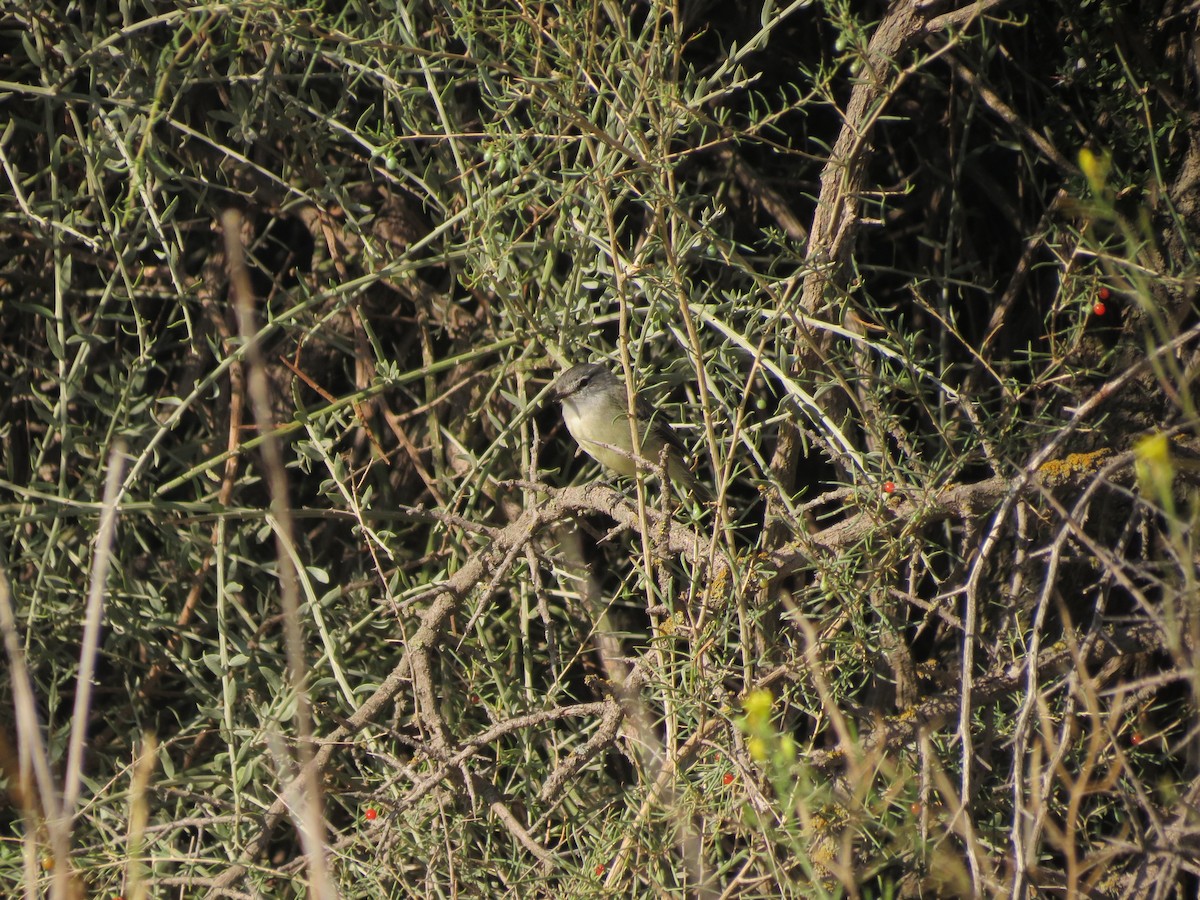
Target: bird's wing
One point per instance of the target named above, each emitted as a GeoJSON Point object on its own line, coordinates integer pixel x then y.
{"type": "Point", "coordinates": [656, 421]}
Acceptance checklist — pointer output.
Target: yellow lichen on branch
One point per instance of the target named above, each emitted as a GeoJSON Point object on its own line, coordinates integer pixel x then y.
{"type": "Point", "coordinates": [1056, 471]}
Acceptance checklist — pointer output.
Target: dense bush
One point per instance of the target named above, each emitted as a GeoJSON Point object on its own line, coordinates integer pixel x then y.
{"type": "Point", "coordinates": [307, 590]}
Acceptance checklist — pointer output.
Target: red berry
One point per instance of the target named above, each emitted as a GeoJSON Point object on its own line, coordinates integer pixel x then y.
{"type": "Point", "coordinates": [1104, 293]}
{"type": "Point", "coordinates": [728, 779]}
{"type": "Point", "coordinates": [1136, 739]}
{"type": "Point", "coordinates": [889, 487]}
{"type": "Point", "coordinates": [1099, 309]}
{"type": "Point", "coordinates": [599, 870]}
{"type": "Point", "coordinates": [371, 814]}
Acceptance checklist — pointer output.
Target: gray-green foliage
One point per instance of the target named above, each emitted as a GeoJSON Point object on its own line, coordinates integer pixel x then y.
{"type": "Point", "coordinates": [447, 202]}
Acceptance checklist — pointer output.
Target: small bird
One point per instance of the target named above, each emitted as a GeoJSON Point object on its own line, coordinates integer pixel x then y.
{"type": "Point", "coordinates": [596, 410]}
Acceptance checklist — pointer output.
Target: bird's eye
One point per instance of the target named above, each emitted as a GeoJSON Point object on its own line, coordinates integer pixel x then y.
{"type": "Point", "coordinates": [584, 380]}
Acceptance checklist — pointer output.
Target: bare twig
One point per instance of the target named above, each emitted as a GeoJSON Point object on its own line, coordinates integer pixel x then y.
{"type": "Point", "coordinates": [305, 789]}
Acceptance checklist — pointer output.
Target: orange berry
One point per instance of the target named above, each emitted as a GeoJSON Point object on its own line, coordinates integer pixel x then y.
{"type": "Point", "coordinates": [889, 487]}
{"type": "Point", "coordinates": [1099, 309]}
{"type": "Point", "coordinates": [727, 779]}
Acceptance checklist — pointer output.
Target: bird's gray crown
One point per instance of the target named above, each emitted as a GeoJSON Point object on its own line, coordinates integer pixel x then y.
{"type": "Point", "coordinates": [585, 377]}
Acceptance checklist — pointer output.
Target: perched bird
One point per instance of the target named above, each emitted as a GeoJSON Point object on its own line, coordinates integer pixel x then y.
{"type": "Point", "coordinates": [596, 410]}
